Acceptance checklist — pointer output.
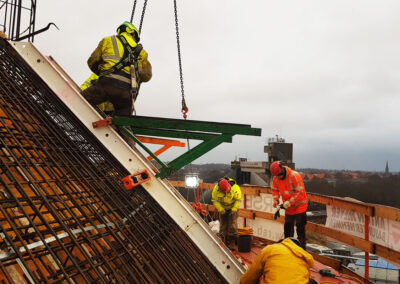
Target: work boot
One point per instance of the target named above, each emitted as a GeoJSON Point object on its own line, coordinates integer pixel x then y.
{"type": "Point", "coordinates": [232, 242]}
{"type": "Point", "coordinates": [230, 245]}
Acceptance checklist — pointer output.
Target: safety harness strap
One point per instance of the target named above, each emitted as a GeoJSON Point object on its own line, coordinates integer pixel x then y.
{"type": "Point", "coordinates": [129, 57]}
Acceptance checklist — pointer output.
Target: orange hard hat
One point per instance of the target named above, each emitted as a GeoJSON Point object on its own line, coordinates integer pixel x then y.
{"type": "Point", "coordinates": [224, 186]}
{"type": "Point", "coordinates": [276, 168]}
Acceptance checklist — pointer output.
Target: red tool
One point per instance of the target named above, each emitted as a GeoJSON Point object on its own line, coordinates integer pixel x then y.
{"type": "Point", "coordinates": [134, 180]}
{"type": "Point", "coordinates": [103, 122]}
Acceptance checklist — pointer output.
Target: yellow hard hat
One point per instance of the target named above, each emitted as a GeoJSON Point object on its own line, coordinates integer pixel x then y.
{"type": "Point", "coordinates": [130, 29]}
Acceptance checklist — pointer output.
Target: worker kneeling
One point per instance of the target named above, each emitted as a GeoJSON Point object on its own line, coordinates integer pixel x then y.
{"type": "Point", "coordinates": [226, 197]}
{"type": "Point", "coordinates": [284, 262]}
{"type": "Point", "coordinates": [121, 65]}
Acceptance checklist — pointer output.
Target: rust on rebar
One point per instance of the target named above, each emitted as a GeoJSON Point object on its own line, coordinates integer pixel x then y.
{"type": "Point", "coordinates": [64, 214]}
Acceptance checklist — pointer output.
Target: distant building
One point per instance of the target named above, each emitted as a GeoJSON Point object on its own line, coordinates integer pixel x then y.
{"type": "Point", "coordinates": [277, 150]}
{"type": "Point", "coordinates": [387, 173]}
{"type": "Point", "coordinates": [247, 172]}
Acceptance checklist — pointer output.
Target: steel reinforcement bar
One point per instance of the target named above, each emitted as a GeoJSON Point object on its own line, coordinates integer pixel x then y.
{"type": "Point", "coordinates": [64, 213]}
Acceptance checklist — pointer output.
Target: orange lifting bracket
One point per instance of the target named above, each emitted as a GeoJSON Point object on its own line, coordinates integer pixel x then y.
{"type": "Point", "coordinates": [167, 143]}
{"type": "Point", "coordinates": [134, 180]}
{"type": "Point", "coordinates": [103, 122]}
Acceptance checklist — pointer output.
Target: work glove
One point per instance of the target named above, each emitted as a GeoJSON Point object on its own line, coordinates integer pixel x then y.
{"type": "Point", "coordinates": [286, 204]}
{"type": "Point", "coordinates": [277, 214]}
{"type": "Point", "coordinates": [275, 204]}
{"type": "Point", "coordinates": [222, 212]}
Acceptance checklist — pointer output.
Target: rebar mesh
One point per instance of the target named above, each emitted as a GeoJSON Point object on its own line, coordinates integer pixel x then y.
{"type": "Point", "coordinates": [64, 214]}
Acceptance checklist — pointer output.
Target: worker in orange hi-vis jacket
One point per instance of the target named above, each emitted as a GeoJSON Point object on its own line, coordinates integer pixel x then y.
{"type": "Point", "coordinates": [288, 184]}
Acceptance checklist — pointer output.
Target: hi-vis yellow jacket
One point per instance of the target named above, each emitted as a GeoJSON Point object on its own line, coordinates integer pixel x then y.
{"type": "Point", "coordinates": [230, 200]}
{"type": "Point", "coordinates": [106, 106]}
{"type": "Point", "coordinates": [110, 50]}
{"type": "Point", "coordinates": [283, 262]}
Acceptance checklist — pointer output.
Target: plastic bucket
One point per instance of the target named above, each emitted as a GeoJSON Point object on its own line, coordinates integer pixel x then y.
{"type": "Point", "coordinates": [244, 243]}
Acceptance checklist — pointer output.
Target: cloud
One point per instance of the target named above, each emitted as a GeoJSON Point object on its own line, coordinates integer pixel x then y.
{"type": "Point", "coordinates": [324, 75]}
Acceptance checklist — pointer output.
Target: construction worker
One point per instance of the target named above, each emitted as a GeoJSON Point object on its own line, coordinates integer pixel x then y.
{"type": "Point", "coordinates": [226, 197]}
{"type": "Point", "coordinates": [105, 107]}
{"type": "Point", "coordinates": [288, 184]}
{"type": "Point", "coordinates": [122, 65]}
{"type": "Point", "coordinates": [283, 262]}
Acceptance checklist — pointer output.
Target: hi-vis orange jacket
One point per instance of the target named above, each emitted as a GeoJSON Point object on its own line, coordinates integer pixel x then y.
{"type": "Point", "coordinates": [291, 189]}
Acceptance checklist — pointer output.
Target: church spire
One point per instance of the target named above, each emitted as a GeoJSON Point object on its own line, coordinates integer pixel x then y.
{"type": "Point", "coordinates": [387, 169]}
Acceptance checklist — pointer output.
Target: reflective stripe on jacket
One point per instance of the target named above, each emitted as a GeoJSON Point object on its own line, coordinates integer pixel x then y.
{"type": "Point", "coordinates": [231, 200]}
{"type": "Point", "coordinates": [291, 189]}
{"type": "Point", "coordinates": [283, 262]}
{"type": "Point", "coordinates": [88, 81]}
{"type": "Point", "coordinates": [109, 52]}
{"type": "Point", "coordinates": [106, 106]}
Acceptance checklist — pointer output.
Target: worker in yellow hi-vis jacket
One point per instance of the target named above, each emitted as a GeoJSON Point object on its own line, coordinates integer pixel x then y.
{"type": "Point", "coordinates": [226, 197]}
{"type": "Point", "coordinates": [122, 65]}
{"type": "Point", "coordinates": [283, 262]}
{"type": "Point", "coordinates": [106, 107]}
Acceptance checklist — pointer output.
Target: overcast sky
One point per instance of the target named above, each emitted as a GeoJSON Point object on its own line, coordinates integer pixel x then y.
{"type": "Point", "coordinates": [324, 75]}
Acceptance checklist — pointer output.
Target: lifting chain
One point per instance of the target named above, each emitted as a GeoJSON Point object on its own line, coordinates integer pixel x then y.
{"type": "Point", "coordinates": [133, 10]}
{"type": "Point", "coordinates": [184, 107]}
{"type": "Point", "coordinates": [142, 17]}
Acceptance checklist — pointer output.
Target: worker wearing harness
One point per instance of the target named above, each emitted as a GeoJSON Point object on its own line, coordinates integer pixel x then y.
{"type": "Point", "coordinates": [121, 64]}
{"type": "Point", "coordinates": [226, 197]}
{"type": "Point", "coordinates": [288, 184]}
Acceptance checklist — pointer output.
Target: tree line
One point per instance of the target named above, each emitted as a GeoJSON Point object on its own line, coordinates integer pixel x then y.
{"type": "Point", "coordinates": [378, 189]}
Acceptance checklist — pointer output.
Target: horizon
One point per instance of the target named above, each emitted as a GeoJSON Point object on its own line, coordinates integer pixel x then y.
{"type": "Point", "coordinates": [296, 168]}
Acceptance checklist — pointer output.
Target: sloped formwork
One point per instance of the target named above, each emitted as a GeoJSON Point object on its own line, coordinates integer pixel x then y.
{"type": "Point", "coordinates": [64, 214]}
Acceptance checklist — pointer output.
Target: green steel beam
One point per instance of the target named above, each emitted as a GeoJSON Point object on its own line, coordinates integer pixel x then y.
{"type": "Point", "coordinates": [193, 154]}
{"type": "Point", "coordinates": [179, 124]}
{"type": "Point", "coordinates": [211, 133]}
